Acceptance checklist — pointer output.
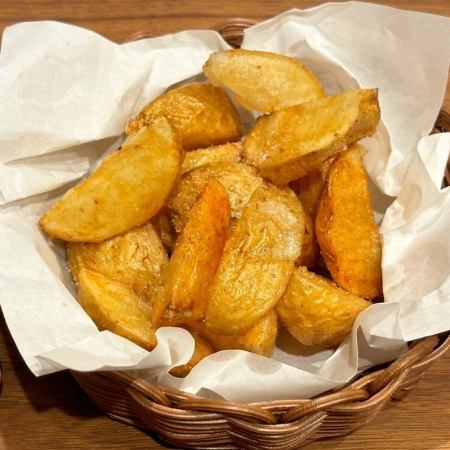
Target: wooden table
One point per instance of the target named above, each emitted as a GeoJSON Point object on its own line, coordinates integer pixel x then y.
{"type": "Point", "coordinates": [53, 412]}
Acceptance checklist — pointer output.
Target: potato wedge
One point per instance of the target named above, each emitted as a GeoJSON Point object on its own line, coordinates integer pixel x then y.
{"type": "Point", "coordinates": [202, 350]}
{"type": "Point", "coordinates": [127, 189]}
{"type": "Point", "coordinates": [195, 259]}
{"type": "Point", "coordinates": [309, 187]}
{"type": "Point", "coordinates": [202, 115]}
{"type": "Point", "coordinates": [115, 307]}
{"type": "Point", "coordinates": [345, 226]}
{"type": "Point", "coordinates": [136, 259]}
{"type": "Point", "coordinates": [316, 312]}
{"type": "Point", "coordinates": [239, 181]}
{"type": "Point", "coordinates": [259, 339]}
{"type": "Point", "coordinates": [257, 262]}
{"type": "Point", "coordinates": [226, 153]}
{"type": "Point", "coordinates": [262, 81]}
{"type": "Point", "coordinates": [289, 143]}
{"type": "Point", "coordinates": [163, 225]}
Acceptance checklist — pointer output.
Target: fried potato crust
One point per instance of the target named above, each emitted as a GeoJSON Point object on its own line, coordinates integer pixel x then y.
{"type": "Point", "coordinates": [345, 226]}
{"type": "Point", "coordinates": [126, 190]}
{"type": "Point", "coordinates": [257, 261]}
{"type": "Point", "coordinates": [196, 257]}
{"type": "Point", "coordinates": [136, 259]}
{"type": "Point", "coordinates": [226, 153]}
{"type": "Point", "coordinates": [201, 114]}
{"type": "Point", "coordinates": [202, 349]}
{"type": "Point", "coordinates": [316, 312]}
{"type": "Point", "coordinates": [239, 181]}
{"type": "Point", "coordinates": [115, 307]}
{"type": "Point", "coordinates": [289, 143]}
{"type": "Point", "coordinates": [262, 81]}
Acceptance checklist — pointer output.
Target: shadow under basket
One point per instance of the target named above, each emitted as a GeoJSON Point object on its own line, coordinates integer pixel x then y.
{"type": "Point", "coordinates": [188, 421]}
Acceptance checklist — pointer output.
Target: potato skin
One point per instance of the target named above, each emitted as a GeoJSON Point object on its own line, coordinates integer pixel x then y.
{"type": "Point", "coordinates": [136, 259]}
{"type": "Point", "coordinates": [262, 81]}
{"type": "Point", "coordinates": [163, 226]}
{"type": "Point", "coordinates": [196, 257]}
{"type": "Point", "coordinates": [289, 143]}
{"type": "Point", "coordinates": [316, 312]}
{"type": "Point", "coordinates": [345, 227]}
{"type": "Point", "coordinates": [127, 189]}
{"type": "Point", "coordinates": [115, 307]}
{"type": "Point", "coordinates": [257, 261]}
{"type": "Point", "coordinates": [239, 181]}
{"type": "Point", "coordinates": [201, 114]}
{"type": "Point", "coordinates": [226, 153]}
{"type": "Point", "coordinates": [202, 349]}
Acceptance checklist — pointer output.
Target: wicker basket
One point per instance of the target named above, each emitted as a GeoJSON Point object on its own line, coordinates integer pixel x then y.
{"type": "Point", "coordinates": [188, 421]}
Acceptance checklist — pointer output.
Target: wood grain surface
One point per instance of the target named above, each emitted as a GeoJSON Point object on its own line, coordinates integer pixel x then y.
{"type": "Point", "coordinates": [52, 412]}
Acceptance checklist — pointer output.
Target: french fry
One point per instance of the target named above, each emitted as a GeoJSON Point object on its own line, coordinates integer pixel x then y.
{"type": "Point", "coordinates": [316, 312]}
{"type": "Point", "coordinates": [195, 259]}
{"type": "Point", "coordinates": [257, 261]}
{"type": "Point", "coordinates": [289, 143]}
{"type": "Point", "coordinates": [126, 190]}
{"type": "Point", "coordinates": [115, 307]}
{"type": "Point", "coordinates": [136, 259]}
{"type": "Point", "coordinates": [345, 227]}
{"type": "Point", "coordinates": [239, 181]}
{"type": "Point", "coordinates": [200, 113]}
{"type": "Point", "coordinates": [262, 81]}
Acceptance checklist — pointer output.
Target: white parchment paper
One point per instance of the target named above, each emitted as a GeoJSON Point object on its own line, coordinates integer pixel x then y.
{"type": "Point", "coordinates": [65, 95]}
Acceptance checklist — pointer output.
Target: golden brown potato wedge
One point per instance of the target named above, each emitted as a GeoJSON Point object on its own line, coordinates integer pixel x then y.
{"type": "Point", "coordinates": [289, 143]}
{"type": "Point", "coordinates": [257, 261]}
{"type": "Point", "coordinates": [346, 230]}
{"type": "Point", "coordinates": [239, 180]}
{"type": "Point", "coordinates": [127, 189]}
{"type": "Point", "coordinates": [195, 259]}
{"type": "Point", "coordinates": [136, 259]}
{"type": "Point", "coordinates": [262, 81]}
{"type": "Point", "coordinates": [309, 187]}
{"type": "Point", "coordinates": [259, 339]}
{"type": "Point", "coordinates": [316, 311]}
{"type": "Point", "coordinates": [115, 307]}
{"type": "Point", "coordinates": [226, 153]}
{"type": "Point", "coordinates": [202, 350]}
{"type": "Point", "coordinates": [163, 225]}
{"type": "Point", "coordinates": [202, 115]}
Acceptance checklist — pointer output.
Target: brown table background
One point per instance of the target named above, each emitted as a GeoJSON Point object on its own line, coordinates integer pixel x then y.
{"type": "Point", "coordinates": [53, 412]}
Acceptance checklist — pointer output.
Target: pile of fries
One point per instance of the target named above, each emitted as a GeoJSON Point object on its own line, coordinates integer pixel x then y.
{"type": "Point", "coordinates": [189, 224]}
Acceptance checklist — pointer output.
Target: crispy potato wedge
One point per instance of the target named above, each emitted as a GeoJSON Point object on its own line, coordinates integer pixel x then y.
{"type": "Point", "coordinates": [316, 311]}
{"type": "Point", "coordinates": [163, 225]}
{"type": "Point", "coordinates": [259, 339]}
{"type": "Point", "coordinates": [262, 81]}
{"type": "Point", "coordinates": [115, 307]}
{"type": "Point", "coordinates": [309, 187]}
{"type": "Point", "coordinates": [345, 227]}
{"type": "Point", "coordinates": [202, 350]}
{"type": "Point", "coordinates": [226, 153]}
{"type": "Point", "coordinates": [195, 259]}
{"type": "Point", "coordinates": [127, 189]}
{"type": "Point", "coordinates": [289, 143]}
{"type": "Point", "coordinates": [257, 261]}
{"type": "Point", "coordinates": [136, 259]}
{"type": "Point", "coordinates": [202, 115]}
{"type": "Point", "coordinates": [239, 181]}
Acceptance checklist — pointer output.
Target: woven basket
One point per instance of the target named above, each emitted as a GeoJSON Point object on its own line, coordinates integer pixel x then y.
{"type": "Point", "coordinates": [188, 421]}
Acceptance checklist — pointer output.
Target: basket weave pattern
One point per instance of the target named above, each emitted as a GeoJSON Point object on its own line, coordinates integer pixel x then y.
{"type": "Point", "coordinates": [189, 421]}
